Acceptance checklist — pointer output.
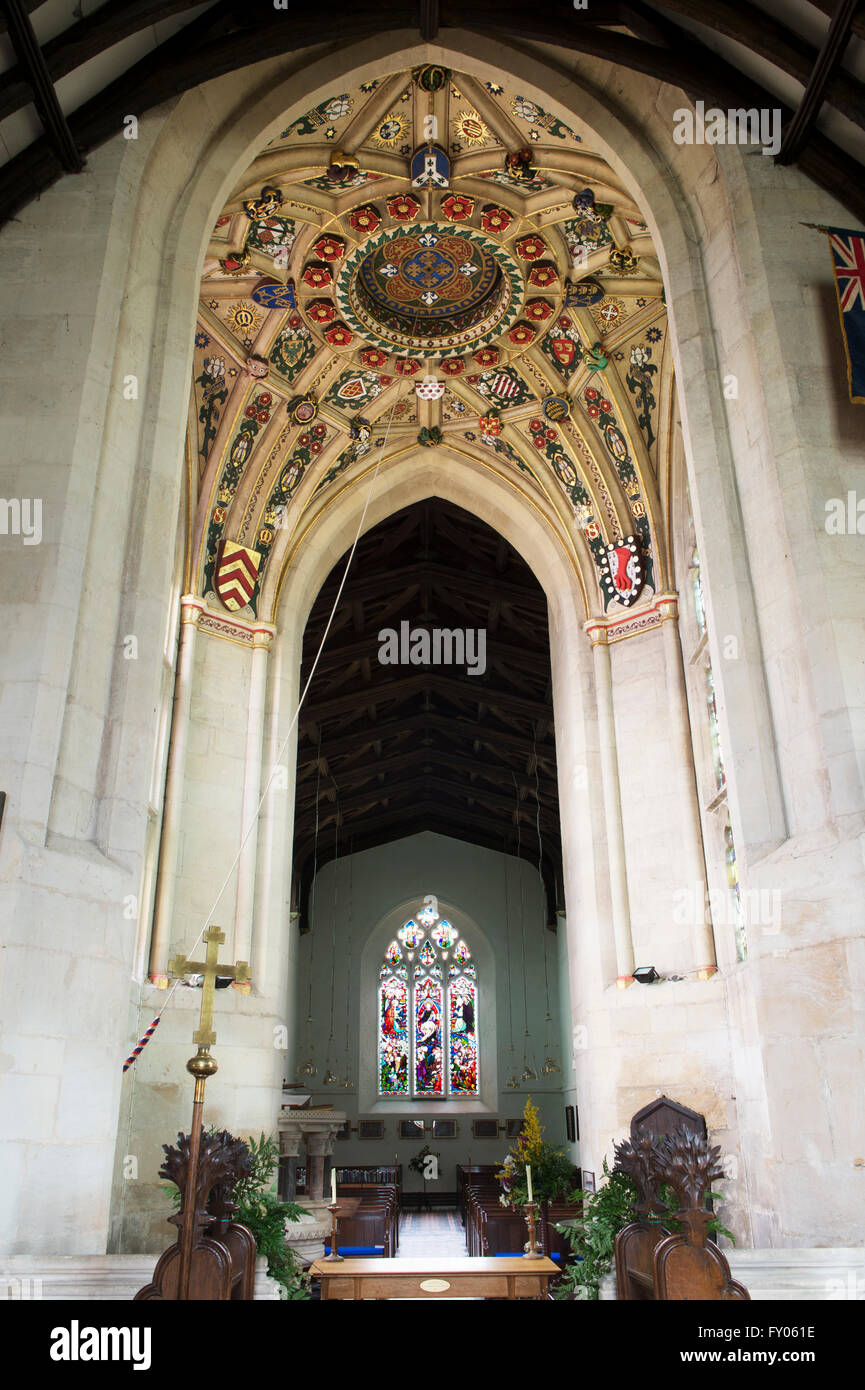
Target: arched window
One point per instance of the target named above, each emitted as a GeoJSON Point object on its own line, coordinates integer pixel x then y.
{"type": "Point", "coordinates": [428, 1013]}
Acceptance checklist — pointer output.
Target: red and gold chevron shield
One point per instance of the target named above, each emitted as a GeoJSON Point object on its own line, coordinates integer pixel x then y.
{"type": "Point", "coordinates": [235, 574]}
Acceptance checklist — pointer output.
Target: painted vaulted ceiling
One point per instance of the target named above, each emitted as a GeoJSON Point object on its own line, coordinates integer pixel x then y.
{"type": "Point", "coordinates": [429, 259]}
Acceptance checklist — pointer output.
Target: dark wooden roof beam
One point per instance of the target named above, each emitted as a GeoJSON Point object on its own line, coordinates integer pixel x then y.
{"type": "Point", "coordinates": [420, 572]}
{"type": "Point", "coordinates": [453, 729]}
{"type": "Point", "coordinates": [434, 757]}
{"type": "Point", "coordinates": [37, 77]}
{"type": "Point", "coordinates": [451, 689]}
{"type": "Point", "coordinates": [800, 128]}
{"type": "Point", "coordinates": [342, 654]}
{"type": "Point", "coordinates": [86, 39]}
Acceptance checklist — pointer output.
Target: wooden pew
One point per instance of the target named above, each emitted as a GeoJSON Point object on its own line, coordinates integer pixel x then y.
{"type": "Point", "coordinates": [478, 1200]}
{"type": "Point", "coordinates": [473, 1175]}
{"type": "Point", "coordinates": [502, 1232]}
{"type": "Point", "coordinates": [373, 1228]}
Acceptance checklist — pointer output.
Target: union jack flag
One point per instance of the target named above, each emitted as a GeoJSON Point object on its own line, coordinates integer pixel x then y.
{"type": "Point", "coordinates": [848, 261]}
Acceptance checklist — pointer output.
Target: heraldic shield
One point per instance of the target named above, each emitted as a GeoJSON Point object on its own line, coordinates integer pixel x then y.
{"type": "Point", "coordinates": [235, 575]}
{"type": "Point", "coordinates": [623, 571]}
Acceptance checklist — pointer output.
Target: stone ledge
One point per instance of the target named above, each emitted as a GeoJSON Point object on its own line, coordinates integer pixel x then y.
{"type": "Point", "coordinates": [819, 1275]}
{"type": "Point", "coordinates": [97, 1278]}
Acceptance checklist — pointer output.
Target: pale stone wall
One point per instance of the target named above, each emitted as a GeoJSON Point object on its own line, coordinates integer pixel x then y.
{"type": "Point", "coordinates": [77, 718]}
{"type": "Point", "coordinates": [255, 1033]}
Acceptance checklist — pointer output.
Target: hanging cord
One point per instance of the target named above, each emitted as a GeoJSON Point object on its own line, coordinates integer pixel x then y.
{"type": "Point", "coordinates": [333, 917]}
{"type": "Point", "coordinates": [143, 1041]}
{"type": "Point", "coordinates": [508, 943]}
{"type": "Point", "coordinates": [314, 878]}
{"type": "Point", "coordinates": [348, 950]}
{"type": "Point", "coordinates": [522, 904]}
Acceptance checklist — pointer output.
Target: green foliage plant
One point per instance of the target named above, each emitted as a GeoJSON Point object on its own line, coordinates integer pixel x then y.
{"type": "Point", "coordinates": [592, 1236]}
{"type": "Point", "coordinates": [259, 1207]}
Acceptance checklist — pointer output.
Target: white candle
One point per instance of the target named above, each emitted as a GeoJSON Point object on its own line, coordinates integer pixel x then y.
{"type": "Point", "coordinates": [333, 1186]}
{"type": "Point", "coordinates": [529, 1180]}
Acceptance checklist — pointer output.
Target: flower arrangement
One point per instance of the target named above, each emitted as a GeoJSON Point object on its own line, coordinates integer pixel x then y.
{"type": "Point", "coordinates": [553, 1173]}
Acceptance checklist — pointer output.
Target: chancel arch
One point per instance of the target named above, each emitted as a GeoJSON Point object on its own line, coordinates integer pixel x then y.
{"type": "Point", "coordinates": [709, 227]}
{"type": "Point", "coordinates": [605, 471]}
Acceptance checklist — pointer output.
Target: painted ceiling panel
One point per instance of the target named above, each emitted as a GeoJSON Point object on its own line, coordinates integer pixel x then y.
{"type": "Point", "coordinates": [465, 296]}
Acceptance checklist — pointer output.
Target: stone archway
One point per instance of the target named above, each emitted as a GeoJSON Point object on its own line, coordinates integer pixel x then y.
{"type": "Point", "coordinates": [589, 891]}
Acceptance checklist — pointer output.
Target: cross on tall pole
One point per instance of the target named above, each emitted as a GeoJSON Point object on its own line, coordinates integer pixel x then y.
{"type": "Point", "coordinates": [201, 1066]}
{"type": "Point", "coordinates": [240, 973]}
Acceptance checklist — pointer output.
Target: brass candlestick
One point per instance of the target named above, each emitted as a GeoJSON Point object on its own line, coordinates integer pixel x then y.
{"type": "Point", "coordinates": [334, 1255]}
{"type": "Point", "coordinates": [533, 1253]}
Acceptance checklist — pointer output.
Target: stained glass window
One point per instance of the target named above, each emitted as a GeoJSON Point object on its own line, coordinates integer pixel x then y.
{"type": "Point", "coordinates": [410, 935]}
{"type": "Point", "coordinates": [714, 730]}
{"type": "Point", "coordinates": [444, 936]}
{"type": "Point", "coordinates": [463, 1038]}
{"type": "Point", "coordinates": [733, 880]}
{"type": "Point", "coordinates": [393, 1037]}
{"type": "Point", "coordinates": [428, 1028]}
{"type": "Point", "coordinates": [428, 1057]}
{"type": "Point", "coordinates": [699, 605]}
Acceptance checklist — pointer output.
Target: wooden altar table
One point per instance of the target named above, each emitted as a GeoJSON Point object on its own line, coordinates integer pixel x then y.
{"type": "Point", "coordinates": [467, 1277]}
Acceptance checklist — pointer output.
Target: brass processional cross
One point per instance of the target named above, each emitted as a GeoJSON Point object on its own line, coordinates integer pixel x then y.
{"type": "Point", "coordinates": [201, 1066]}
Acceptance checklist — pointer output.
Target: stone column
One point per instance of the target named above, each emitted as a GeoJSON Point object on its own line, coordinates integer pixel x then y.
{"type": "Point", "coordinates": [290, 1148]}
{"type": "Point", "coordinates": [621, 908]}
{"type": "Point", "coordinates": [316, 1144]}
{"type": "Point", "coordinates": [245, 898]}
{"type": "Point", "coordinates": [690, 854]}
{"type": "Point", "coordinates": [190, 612]}
{"type": "Point", "coordinates": [269, 949]}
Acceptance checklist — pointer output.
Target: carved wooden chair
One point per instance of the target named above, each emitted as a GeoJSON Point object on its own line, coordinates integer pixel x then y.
{"type": "Point", "coordinates": [223, 1254]}
{"type": "Point", "coordinates": [689, 1265]}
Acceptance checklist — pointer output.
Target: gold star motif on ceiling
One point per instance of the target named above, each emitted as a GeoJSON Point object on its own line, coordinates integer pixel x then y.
{"type": "Point", "coordinates": [469, 128]}
{"type": "Point", "coordinates": [390, 131]}
{"type": "Point", "coordinates": [243, 318]}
